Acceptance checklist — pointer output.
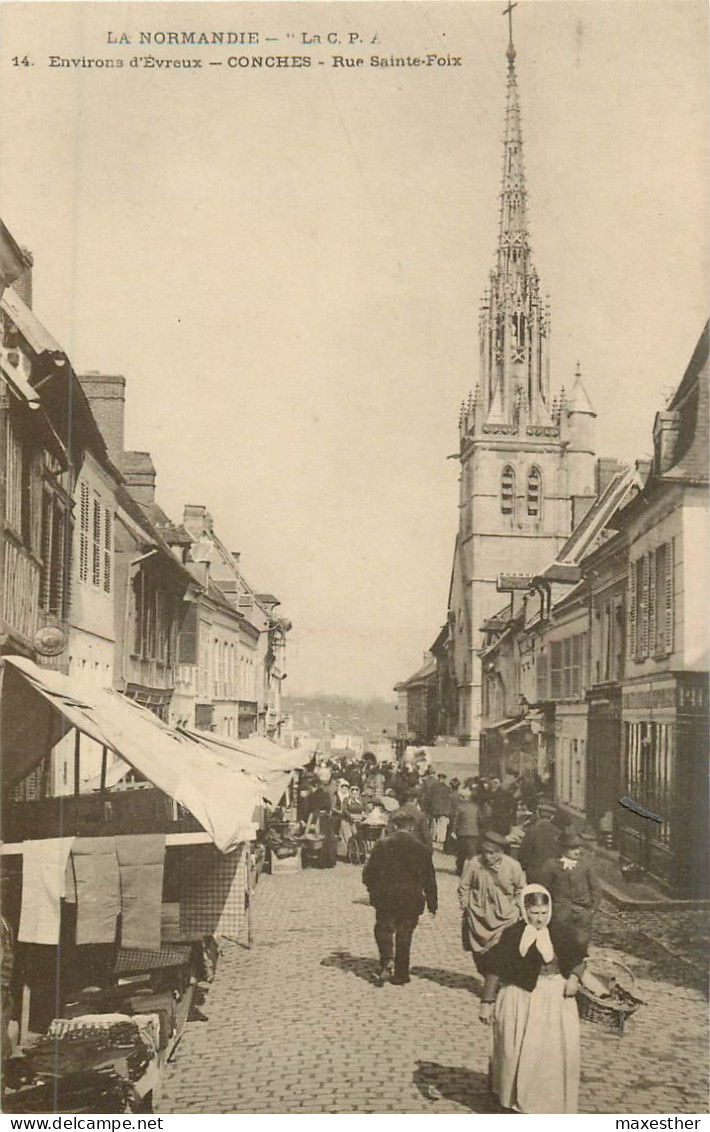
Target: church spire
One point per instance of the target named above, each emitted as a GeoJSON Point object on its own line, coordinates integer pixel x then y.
{"type": "Point", "coordinates": [513, 246]}
{"type": "Point", "coordinates": [514, 323]}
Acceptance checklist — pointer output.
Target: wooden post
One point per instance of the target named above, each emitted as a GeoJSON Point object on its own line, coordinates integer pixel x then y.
{"type": "Point", "coordinates": [104, 766]}
{"type": "Point", "coordinates": [77, 760]}
{"type": "Point", "coordinates": [24, 1014]}
{"type": "Point", "coordinates": [250, 893]}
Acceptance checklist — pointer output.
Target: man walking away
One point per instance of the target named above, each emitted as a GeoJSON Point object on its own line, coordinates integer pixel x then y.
{"type": "Point", "coordinates": [467, 828]}
{"type": "Point", "coordinates": [440, 810]}
{"type": "Point", "coordinates": [400, 879]}
{"type": "Point", "coordinates": [419, 820]}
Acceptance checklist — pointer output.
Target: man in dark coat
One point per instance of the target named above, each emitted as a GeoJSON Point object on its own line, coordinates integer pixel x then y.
{"type": "Point", "coordinates": [400, 879]}
{"type": "Point", "coordinates": [573, 886]}
{"type": "Point", "coordinates": [467, 828]}
{"type": "Point", "coordinates": [419, 821]}
{"type": "Point", "coordinates": [540, 843]}
{"type": "Point", "coordinates": [503, 809]}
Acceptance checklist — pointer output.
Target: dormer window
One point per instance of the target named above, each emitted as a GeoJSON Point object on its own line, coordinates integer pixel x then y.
{"type": "Point", "coordinates": [507, 491]}
{"type": "Point", "coordinates": [534, 493]}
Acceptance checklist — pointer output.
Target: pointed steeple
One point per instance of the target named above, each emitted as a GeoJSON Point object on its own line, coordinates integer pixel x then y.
{"type": "Point", "coordinates": [513, 245]}
{"type": "Point", "coordinates": [514, 318]}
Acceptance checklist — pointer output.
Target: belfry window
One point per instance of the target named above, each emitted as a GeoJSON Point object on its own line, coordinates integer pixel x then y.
{"type": "Point", "coordinates": [507, 491]}
{"type": "Point", "coordinates": [534, 493]}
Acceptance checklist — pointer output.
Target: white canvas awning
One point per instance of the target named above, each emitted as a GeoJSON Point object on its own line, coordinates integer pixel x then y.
{"type": "Point", "coordinates": [38, 706]}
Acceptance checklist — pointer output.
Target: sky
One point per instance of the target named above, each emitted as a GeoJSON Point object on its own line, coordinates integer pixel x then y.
{"type": "Point", "coordinates": [286, 263]}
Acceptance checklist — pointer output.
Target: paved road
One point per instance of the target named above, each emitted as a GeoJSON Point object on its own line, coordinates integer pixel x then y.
{"type": "Point", "coordinates": [296, 1026]}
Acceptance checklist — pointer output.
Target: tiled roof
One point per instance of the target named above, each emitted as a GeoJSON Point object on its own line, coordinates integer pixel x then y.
{"type": "Point", "coordinates": [176, 535]}
{"type": "Point", "coordinates": [691, 403]}
{"type": "Point", "coordinates": [585, 535]}
{"type": "Point", "coordinates": [427, 669]}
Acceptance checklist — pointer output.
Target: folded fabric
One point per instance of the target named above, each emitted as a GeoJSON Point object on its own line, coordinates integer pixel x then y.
{"type": "Point", "coordinates": [141, 861]}
{"type": "Point", "coordinates": [44, 865]}
{"type": "Point", "coordinates": [98, 895]}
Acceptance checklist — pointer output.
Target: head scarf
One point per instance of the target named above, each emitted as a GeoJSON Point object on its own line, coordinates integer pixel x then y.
{"type": "Point", "coordinates": [539, 937]}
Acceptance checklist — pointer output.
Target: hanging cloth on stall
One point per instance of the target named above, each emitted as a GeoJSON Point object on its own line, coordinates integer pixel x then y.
{"type": "Point", "coordinates": [214, 892]}
{"type": "Point", "coordinates": [44, 866]}
{"type": "Point", "coordinates": [98, 893]}
{"type": "Point", "coordinates": [141, 860]}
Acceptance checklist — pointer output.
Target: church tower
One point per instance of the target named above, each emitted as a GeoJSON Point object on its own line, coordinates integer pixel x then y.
{"type": "Point", "coordinates": [527, 459]}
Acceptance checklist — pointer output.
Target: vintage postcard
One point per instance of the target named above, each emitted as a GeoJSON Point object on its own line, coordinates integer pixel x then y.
{"type": "Point", "coordinates": [354, 556]}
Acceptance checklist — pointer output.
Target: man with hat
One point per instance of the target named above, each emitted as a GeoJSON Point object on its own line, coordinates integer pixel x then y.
{"type": "Point", "coordinates": [489, 893]}
{"type": "Point", "coordinates": [540, 844]}
{"type": "Point", "coordinates": [573, 886]}
{"type": "Point", "coordinates": [420, 824]}
{"type": "Point", "coordinates": [400, 879]}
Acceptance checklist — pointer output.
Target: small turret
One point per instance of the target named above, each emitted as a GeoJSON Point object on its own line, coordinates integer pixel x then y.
{"type": "Point", "coordinates": [578, 429]}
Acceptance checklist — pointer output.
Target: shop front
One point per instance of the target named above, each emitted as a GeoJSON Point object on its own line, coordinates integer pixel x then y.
{"type": "Point", "coordinates": [662, 827]}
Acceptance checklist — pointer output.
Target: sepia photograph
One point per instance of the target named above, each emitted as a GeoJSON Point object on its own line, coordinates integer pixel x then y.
{"type": "Point", "coordinates": [354, 638]}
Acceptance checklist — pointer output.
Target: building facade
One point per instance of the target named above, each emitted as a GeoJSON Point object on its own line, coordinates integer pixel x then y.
{"type": "Point", "coordinates": [664, 689]}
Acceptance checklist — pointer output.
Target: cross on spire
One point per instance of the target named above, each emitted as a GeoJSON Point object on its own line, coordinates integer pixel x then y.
{"type": "Point", "coordinates": [509, 13]}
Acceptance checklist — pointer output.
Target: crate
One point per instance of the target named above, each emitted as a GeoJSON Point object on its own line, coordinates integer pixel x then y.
{"type": "Point", "coordinates": [286, 864]}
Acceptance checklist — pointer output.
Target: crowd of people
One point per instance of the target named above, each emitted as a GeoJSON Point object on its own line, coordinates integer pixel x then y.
{"type": "Point", "coordinates": [526, 909]}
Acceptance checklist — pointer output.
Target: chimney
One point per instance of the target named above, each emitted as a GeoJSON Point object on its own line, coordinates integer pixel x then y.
{"type": "Point", "coordinates": [197, 520]}
{"type": "Point", "coordinates": [236, 555]}
{"type": "Point", "coordinates": [23, 284]}
{"type": "Point", "coordinates": [107, 397]}
{"type": "Point", "coordinates": [139, 472]}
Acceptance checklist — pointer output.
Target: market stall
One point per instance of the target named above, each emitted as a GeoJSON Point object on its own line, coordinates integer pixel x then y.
{"type": "Point", "coordinates": [114, 897]}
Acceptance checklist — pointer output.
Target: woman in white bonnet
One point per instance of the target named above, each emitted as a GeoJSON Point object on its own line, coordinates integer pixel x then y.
{"type": "Point", "coordinates": [529, 999]}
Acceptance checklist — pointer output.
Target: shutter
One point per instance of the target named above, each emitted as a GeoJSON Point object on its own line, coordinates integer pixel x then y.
{"type": "Point", "coordinates": [36, 494]}
{"type": "Point", "coordinates": [576, 659]}
{"type": "Point", "coordinates": [669, 598]}
{"type": "Point", "coordinates": [631, 635]}
{"type": "Point", "coordinates": [57, 602]}
{"type": "Point", "coordinates": [652, 598]}
{"type": "Point", "coordinates": [556, 670]}
{"type": "Point", "coordinates": [96, 555]}
{"type": "Point", "coordinates": [108, 549]}
{"type": "Point", "coordinates": [567, 668]}
{"type": "Point", "coordinates": [84, 533]}
{"type": "Point", "coordinates": [543, 676]}
{"type": "Point", "coordinates": [46, 551]}
{"type": "Point", "coordinates": [644, 607]}
{"type": "Point", "coordinates": [187, 641]}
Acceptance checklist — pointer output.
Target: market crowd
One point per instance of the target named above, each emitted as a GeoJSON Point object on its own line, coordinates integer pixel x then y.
{"type": "Point", "coordinates": [527, 899]}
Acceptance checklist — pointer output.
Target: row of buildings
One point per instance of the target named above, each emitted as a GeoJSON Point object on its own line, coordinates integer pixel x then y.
{"type": "Point", "coordinates": [575, 641]}
{"type": "Point", "coordinates": [95, 579]}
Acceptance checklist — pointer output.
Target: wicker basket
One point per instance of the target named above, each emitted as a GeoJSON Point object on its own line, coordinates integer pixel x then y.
{"type": "Point", "coordinates": [619, 1003]}
{"type": "Point", "coordinates": [369, 832]}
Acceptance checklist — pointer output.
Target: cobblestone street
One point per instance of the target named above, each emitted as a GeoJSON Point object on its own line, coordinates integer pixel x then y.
{"type": "Point", "coordinates": [296, 1025]}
